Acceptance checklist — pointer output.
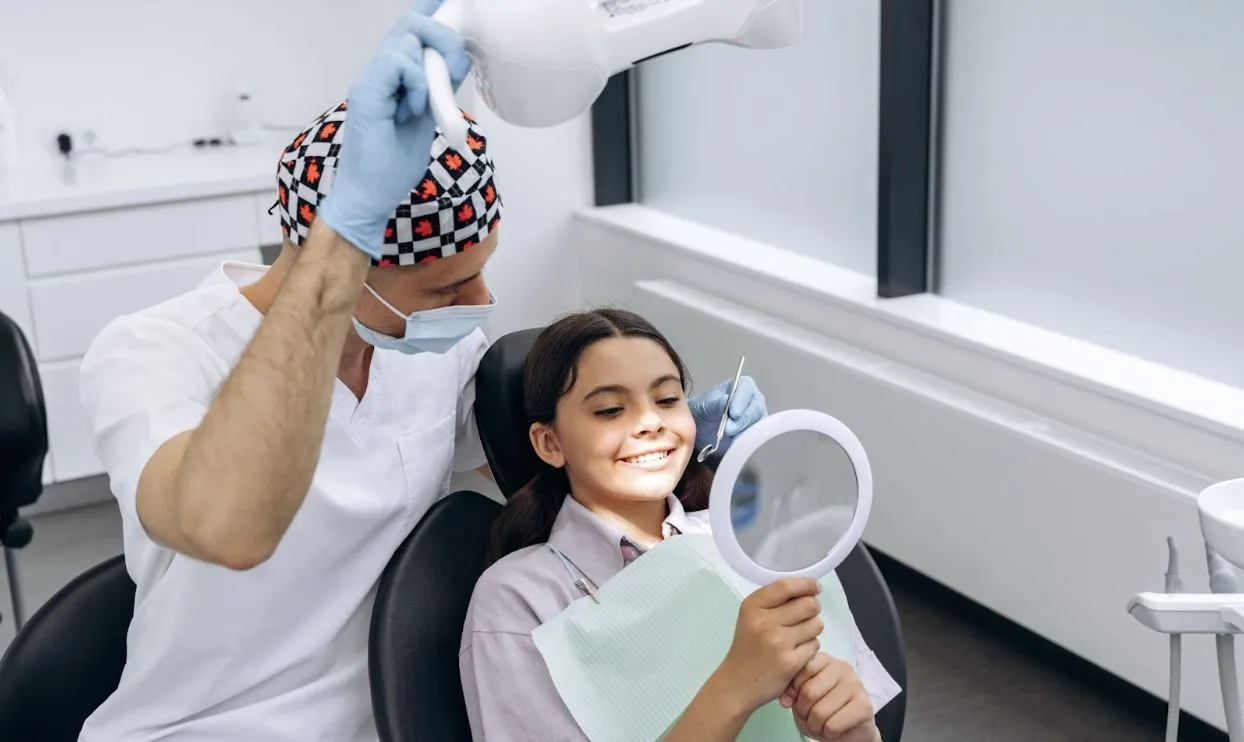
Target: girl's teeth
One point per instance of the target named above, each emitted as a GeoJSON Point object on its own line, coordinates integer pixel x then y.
{"type": "Point", "coordinates": [647, 458]}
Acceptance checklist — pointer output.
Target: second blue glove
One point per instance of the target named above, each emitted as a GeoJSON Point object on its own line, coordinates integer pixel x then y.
{"type": "Point", "coordinates": [746, 409]}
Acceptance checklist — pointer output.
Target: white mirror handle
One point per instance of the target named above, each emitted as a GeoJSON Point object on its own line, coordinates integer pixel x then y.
{"type": "Point", "coordinates": [441, 95]}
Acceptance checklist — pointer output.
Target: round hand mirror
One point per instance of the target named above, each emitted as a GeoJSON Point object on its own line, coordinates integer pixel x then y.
{"type": "Point", "coordinates": [790, 497]}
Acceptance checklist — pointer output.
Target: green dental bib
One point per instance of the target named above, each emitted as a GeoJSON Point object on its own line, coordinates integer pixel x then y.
{"type": "Point", "coordinates": [628, 663]}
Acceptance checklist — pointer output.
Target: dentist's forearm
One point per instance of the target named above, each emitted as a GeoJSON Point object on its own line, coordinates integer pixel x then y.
{"type": "Point", "coordinates": [246, 469]}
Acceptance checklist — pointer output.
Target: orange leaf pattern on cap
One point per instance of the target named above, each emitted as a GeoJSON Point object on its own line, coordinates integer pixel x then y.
{"type": "Point", "coordinates": [453, 208]}
{"type": "Point", "coordinates": [428, 189]}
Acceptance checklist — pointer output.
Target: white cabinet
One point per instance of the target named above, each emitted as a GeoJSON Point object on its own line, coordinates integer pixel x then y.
{"type": "Point", "coordinates": [64, 277]}
{"type": "Point", "coordinates": [99, 239]}
{"type": "Point", "coordinates": [14, 302]}
{"type": "Point", "coordinates": [71, 310]}
{"type": "Point", "coordinates": [69, 436]}
{"type": "Point", "coordinates": [269, 224]}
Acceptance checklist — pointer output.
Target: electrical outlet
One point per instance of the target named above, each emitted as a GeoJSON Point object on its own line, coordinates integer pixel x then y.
{"type": "Point", "coordinates": [80, 140]}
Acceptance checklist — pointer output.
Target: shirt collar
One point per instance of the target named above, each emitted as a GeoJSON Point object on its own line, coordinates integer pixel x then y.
{"type": "Point", "coordinates": [593, 544]}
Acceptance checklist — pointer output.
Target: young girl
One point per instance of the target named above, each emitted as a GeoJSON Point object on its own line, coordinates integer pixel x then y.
{"type": "Point", "coordinates": [606, 394]}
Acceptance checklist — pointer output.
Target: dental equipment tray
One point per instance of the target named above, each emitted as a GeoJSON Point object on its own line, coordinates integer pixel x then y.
{"type": "Point", "coordinates": [1189, 613]}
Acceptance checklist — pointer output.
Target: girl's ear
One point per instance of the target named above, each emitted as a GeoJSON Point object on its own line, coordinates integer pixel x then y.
{"type": "Point", "coordinates": [544, 441]}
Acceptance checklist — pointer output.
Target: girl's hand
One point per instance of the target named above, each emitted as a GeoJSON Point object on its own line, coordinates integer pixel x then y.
{"type": "Point", "coordinates": [777, 633]}
{"type": "Point", "coordinates": [830, 703]}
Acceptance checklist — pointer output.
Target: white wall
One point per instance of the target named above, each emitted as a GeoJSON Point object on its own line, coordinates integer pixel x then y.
{"type": "Point", "coordinates": [150, 72]}
{"type": "Point", "coordinates": [154, 72]}
{"type": "Point", "coordinates": [142, 73]}
{"type": "Point", "coordinates": [1035, 490]}
{"type": "Point", "coordinates": [778, 145]}
{"type": "Point", "coordinates": [1091, 173]}
{"type": "Point", "coordinates": [544, 175]}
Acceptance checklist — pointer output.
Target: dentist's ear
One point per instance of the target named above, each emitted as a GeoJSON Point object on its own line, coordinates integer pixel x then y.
{"type": "Point", "coordinates": [545, 443]}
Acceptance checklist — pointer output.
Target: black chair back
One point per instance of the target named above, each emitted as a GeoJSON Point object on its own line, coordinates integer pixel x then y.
{"type": "Point", "coordinates": [416, 626]}
{"type": "Point", "coordinates": [68, 657]}
{"type": "Point", "coordinates": [875, 614]}
{"type": "Point", "coordinates": [502, 421]}
{"type": "Point", "coordinates": [23, 432]}
{"type": "Point", "coordinates": [500, 414]}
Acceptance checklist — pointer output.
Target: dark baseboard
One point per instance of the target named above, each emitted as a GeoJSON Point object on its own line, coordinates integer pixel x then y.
{"type": "Point", "coordinates": [1041, 650]}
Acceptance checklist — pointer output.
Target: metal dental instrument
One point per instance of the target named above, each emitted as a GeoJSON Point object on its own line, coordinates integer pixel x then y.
{"type": "Point", "coordinates": [711, 448]}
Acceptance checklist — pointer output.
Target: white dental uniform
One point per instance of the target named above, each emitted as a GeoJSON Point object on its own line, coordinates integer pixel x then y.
{"type": "Point", "coordinates": [277, 653]}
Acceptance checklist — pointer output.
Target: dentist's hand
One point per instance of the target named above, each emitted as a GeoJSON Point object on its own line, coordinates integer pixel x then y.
{"type": "Point", "coordinates": [830, 702]}
{"type": "Point", "coordinates": [746, 409]}
{"type": "Point", "coordinates": [389, 129]}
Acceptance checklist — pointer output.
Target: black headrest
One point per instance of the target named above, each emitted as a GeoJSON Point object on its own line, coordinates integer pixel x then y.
{"type": "Point", "coordinates": [500, 414]}
{"type": "Point", "coordinates": [416, 625]}
{"type": "Point", "coordinates": [68, 657]}
{"type": "Point", "coordinates": [23, 421]}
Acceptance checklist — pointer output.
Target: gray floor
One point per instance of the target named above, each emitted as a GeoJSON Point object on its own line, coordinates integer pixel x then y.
{"type": "Point", "coordinates": [972, 677]}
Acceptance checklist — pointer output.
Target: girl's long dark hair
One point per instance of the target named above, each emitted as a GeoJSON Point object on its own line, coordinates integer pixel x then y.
{"type": "Point", "coordinates": [528, 516]}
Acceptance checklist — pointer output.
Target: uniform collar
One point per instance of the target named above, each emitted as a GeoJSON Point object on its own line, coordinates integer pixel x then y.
{"type": "Point", "coordinates": [593, 544]}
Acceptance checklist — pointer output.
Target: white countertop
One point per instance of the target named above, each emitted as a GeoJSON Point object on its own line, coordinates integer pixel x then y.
{"type": "Point", "coordinates": [93, 182]}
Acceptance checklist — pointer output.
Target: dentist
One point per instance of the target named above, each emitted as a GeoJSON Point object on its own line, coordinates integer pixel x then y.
{"type": "Point", "coordinates": [267, 460]}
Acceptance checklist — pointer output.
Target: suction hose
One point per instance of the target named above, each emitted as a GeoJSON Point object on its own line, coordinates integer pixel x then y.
{"type": "Point", "coordinates": [1230, 686]}
{"type": "Point", "coordinates": [1174, 584]}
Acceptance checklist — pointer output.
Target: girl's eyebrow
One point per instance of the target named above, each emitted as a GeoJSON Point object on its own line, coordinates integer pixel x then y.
{"type": "Point", "coordinates": [619, 389]}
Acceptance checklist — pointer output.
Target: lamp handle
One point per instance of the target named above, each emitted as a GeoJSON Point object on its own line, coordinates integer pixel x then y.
{"type": "Point", "coordinates": [441, 96]}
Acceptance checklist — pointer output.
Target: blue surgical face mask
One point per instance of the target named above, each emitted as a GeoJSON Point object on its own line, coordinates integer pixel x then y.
{"type": "Point", "coordinates": [429, 331]}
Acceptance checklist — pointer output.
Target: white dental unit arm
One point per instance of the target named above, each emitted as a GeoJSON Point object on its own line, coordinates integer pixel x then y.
{"type": "Point", "coordinates": [539, 63]}
{"type": "Point", "coordinates": [1219, 612]}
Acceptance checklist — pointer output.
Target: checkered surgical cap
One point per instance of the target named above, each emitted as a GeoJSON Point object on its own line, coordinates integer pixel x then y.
{"type": "Point", "coordinates": [453, 208]}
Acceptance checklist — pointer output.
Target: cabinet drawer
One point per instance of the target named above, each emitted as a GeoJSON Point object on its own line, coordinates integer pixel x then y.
{"type": "Point", "coordinates": [269, 224]}
{"type": "Point", "coordinates": [71, 310]}
{"type": "Point", "coordinates": [69, 436]}
{"type": "Point", "coordinates": [100, 239]}
{"type": "Point", "coordinates": [14, 302]}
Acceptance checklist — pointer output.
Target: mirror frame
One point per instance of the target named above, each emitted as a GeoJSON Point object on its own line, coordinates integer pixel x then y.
{"type": "Point", "coordinates": [742, 448]}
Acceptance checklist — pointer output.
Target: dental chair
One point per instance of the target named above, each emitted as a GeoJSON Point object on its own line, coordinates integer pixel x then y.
{"type": "Point", "coordinates": [68, 657]}
{"type": "Point", "coordinates": [23, 448]}
{"type": "Point", "coordinates": [416, 627]}
{"type": "Point", "coordinates": [503, 426]}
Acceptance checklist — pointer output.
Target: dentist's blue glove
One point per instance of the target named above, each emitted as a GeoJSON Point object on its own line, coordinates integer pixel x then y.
{"type": "Point", "coordinates": [389, 128]}
{"type": "Point", "coordinates": [747, 408]}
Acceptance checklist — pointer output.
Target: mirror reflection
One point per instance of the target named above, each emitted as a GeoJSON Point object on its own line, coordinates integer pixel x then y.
{"type": "Point", "coordinates": [793, 500]}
